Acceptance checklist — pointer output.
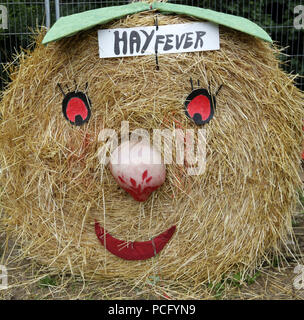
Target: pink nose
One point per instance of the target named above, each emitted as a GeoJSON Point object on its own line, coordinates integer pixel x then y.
{"type": "Point", "coordinates": [138, 169]}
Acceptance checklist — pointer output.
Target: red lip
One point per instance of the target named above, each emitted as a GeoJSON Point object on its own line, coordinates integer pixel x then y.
{"type": "Point", "coordinates": [137, 250]}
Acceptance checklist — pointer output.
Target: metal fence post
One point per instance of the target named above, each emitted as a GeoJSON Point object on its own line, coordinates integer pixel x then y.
{"type": "Point", "coordinates": [57, 8]}
{"type": "Point", "coordinates": [47, 13]}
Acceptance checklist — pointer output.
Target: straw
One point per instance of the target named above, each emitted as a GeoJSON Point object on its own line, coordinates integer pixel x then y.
{"type": "Point", "coordinates": [229, 219]}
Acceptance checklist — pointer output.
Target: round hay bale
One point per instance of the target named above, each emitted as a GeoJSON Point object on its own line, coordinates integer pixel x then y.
{"type": "Point", "coordinates": [228, 219]}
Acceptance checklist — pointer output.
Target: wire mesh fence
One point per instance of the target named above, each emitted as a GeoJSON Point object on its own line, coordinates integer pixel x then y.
{"type": "Point", "coordinates": [19, 20]}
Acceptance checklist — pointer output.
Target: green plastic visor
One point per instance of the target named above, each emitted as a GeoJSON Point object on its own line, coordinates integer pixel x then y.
{"type": "Point", "coordinates": [70, 25]}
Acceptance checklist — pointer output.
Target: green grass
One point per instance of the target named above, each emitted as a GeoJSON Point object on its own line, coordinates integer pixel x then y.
{"type": "Point", "coordinates": [217, 289]}
{"type": "Point", "coordinates": [47, 282]}
{"type": "Point", "coordinates": [236, 280]}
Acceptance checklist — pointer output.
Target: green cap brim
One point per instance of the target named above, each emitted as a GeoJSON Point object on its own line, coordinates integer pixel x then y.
{"type": "Point", "coordinates": [70, 25]}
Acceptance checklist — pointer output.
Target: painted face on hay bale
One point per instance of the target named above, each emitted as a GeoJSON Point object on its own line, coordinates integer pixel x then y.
{"type": "Point", "coordinates": [227, 218]}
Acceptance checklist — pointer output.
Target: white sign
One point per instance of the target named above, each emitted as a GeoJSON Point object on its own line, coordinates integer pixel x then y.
{"type": "Point", "coordinates": [174, 38]}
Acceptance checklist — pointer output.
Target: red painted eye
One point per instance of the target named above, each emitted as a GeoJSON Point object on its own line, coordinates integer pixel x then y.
{"type": "Point", "coordinates": [76, 108]}
{"type": "Point", "coordinates": [200, 106]}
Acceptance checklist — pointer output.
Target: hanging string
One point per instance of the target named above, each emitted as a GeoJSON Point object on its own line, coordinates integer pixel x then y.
{"type": "Point", "coordinates": [156, 56]}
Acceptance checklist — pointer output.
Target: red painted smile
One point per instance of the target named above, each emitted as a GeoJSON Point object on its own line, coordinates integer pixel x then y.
{"type": "Point", "coordinates": [137, 250]}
